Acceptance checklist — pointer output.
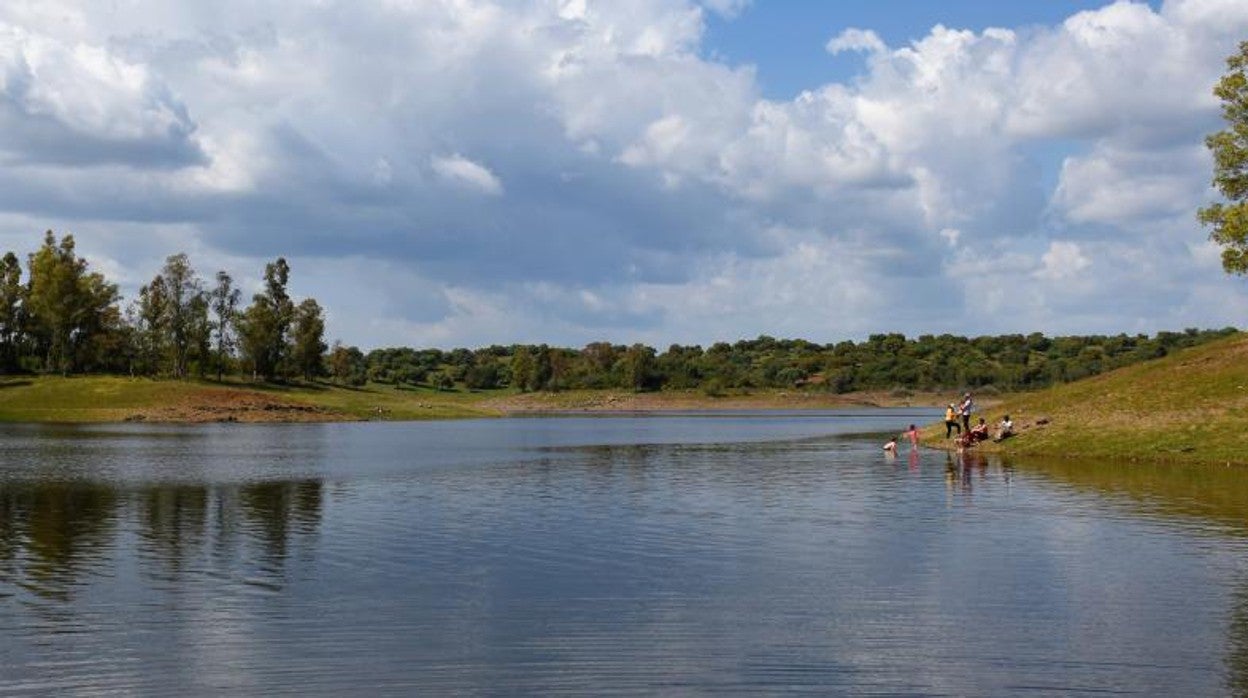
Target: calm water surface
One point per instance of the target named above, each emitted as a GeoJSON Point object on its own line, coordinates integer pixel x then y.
{"type": "Point", "coordinates": [696, 553]}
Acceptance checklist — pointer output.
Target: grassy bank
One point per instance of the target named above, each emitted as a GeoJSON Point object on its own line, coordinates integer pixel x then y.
{"type": "Point", "coordinates": [116, 398]}
{"type": "Point", "coordinates": [1191, 406]}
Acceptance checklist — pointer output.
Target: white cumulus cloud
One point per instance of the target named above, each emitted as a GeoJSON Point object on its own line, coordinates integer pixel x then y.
{"type": "Point", "coordinates": [583, 169]}
{"type": "Point", "coordinates": [460, 170]}
{"type": "Point", "coordinates": [855, 40]}
{"type": "Point", "coordinates": [1062, 260]}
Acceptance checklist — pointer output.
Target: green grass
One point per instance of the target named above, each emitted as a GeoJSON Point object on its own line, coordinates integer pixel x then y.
{"type": "Point", "coordinates": [81, 399]}
{"type": "Point", "coordinates": [376, 401]}
{"type": "Point", "coordinates": [115, 398]}
{"type": "Point", "coordinates": [1191, 406]}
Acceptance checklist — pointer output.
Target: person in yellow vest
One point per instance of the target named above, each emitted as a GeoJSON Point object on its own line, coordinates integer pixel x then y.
{"type": "Point", "coordinates": [951, 420]}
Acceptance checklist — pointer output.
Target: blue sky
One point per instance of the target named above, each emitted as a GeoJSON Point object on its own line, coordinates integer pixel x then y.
{"type": "Point", "coordinates": [469, 172]}
{"type": "Point", "coordinates": [785, 40]}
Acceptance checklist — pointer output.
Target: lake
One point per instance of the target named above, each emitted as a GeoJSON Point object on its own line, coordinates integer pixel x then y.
{"type": "Point", "coordinates": [753, 553]}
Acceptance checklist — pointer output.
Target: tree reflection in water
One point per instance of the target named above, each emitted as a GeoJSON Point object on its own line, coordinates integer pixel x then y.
{"type": "Point", "coordinates": [1237, 641]}
{"type": "Point", "coordinates": [55, 535]}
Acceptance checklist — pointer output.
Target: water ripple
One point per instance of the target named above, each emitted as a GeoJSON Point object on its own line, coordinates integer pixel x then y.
{"type": "Point", "coordinates": [605, 556]}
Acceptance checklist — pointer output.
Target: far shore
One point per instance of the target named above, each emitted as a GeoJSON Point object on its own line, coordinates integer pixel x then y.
{"type": "Point", "coordinates": [614, 401]}
{"type": "Point", "coordinates": [1187, 407]}
{"type": "Point", "coordinates": [104, 399]}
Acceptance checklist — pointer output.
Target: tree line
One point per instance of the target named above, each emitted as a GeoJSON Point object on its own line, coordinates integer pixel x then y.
{"type": "Point", "coordinates": [882, 362]}
{"type": "Point", "coordinates": [63, 317]}
{"type": "Point", "coordinates": [66, 318]}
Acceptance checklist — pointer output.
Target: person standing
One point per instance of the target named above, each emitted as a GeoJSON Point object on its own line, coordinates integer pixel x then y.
{"type": "Point", "coordinates": [951, 421]}
{"type": "Point", "coordinates": [965, 409]}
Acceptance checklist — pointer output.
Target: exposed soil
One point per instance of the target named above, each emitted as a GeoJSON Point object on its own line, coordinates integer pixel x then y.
{"type": "Point", "coordinates": [236, 406]}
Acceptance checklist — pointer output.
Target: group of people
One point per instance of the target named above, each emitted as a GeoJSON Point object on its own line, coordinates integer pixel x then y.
{"type": "Point", "coordinates": [958, 418]}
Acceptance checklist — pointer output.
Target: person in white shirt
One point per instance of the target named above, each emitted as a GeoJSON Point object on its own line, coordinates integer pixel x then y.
{"type": "Point", "coordinates": [1005, 429]}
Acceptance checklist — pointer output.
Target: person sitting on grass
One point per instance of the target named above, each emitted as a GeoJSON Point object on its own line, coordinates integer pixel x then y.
{"type": "Point", "coordinates": [979, 432]}
{"type": "Point", "coordinates": [1005, 429]}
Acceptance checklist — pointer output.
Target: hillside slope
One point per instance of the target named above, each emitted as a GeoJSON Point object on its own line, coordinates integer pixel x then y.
{"type": "Point", "coordinates": [1191, 406]}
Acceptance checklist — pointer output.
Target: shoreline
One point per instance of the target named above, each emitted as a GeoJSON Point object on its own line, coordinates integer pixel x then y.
{"type": "Point", "coordinates": [619, 402]}
{"type": "Point", "coordinates": [528, 405]}
{"type": "Point", "coordinates": [170, 402]}
{"type": "Point", "coordinates": [120, 399]}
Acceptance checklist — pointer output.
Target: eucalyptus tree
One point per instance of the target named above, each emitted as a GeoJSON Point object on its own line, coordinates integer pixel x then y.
{"type": "Point", "coordinates": [224, 302]}
{"type": "Point", "coordinates": [199, 332]}
{"type": "Point", "coordinates": [10, 310]}
{"type": "Point", "coordinates": [151, 320]}
{"type": "Point", "coordinates": [183, 291]}
{"type": "Point", "coordinates": [308, 345]}
{"type": "Point", "coordinates": [264, 328]}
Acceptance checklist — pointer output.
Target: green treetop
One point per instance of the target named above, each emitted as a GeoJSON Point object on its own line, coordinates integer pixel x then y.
{"type": "Point", "coordinates": [1230, 171]}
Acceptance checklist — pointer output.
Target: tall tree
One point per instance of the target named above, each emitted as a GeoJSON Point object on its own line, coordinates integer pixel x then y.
{"type": "Point", "coordinates": [264, 328]}
{"type": "Point", "coordinates": [151, 315]}
{"type": "Point", "coordinates": [10, 310]}
{"type": "Point", "coordinates": [308, 350]}
{"type": "Point", "coordinates": [68, 306]}
{"type": "Point", "coordinates": [1230, 166]}
{"type": "Point", "coordinates": [199, 333]}
{"type": "Point", "coordinates": [182, 288]}
{"type": "Point", "coordinates": [522, 369]}
{"type": "Point", "coordinates": [224, 303]}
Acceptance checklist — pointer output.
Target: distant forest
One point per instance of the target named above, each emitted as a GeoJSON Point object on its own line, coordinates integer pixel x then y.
{"type": "Point", "coordinates": [59, 316]}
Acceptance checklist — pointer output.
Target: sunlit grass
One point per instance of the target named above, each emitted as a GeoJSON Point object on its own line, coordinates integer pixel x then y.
{"type": "Point", "coordinates": [1188, 407]}
{"type": "Point", "coordinates": [377, 401]}
{"type": "Point", "coordinates": [115, 398]}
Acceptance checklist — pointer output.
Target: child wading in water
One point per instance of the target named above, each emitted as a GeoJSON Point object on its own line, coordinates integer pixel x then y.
{"type": "Point", "coordinates": [912, 433]}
